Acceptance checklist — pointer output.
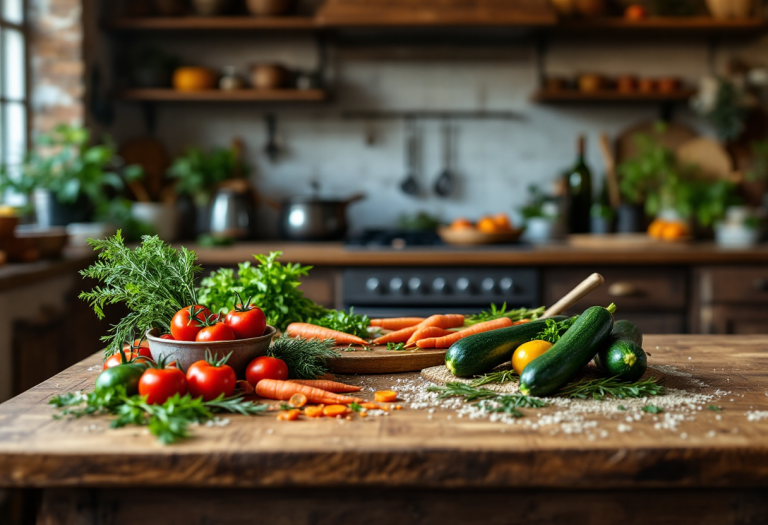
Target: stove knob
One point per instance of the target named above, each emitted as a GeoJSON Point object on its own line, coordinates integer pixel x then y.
{"type": "Point", "coordinates": [507, 285]}
{"type": "Point", "coordinates": [415, 285]}
{"type": "Point", "coordinates": [463, 285]}
{"type": "Point", "coordinates": [396, 285]}
{"type": "Point", "coordinates": [373, 285]}
{"type": "Point", "coordinates": [488, 285]}
{"type": "Point", "coordinates": [439, 285]}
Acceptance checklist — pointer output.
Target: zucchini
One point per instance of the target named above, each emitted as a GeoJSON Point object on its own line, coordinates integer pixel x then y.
{"type": "Point", "coordinates": [622, 331]}
{"type": "Point", "coordinates": [623, 360]}
{"type": "Point", "coordinates": [575, 349]}
{"type": "Point", "coordinates": [483, 352]}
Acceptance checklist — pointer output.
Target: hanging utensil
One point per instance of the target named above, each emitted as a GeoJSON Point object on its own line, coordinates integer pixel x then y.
{"type": "Point", "coordinates": [272, 148]}
{"type": "Point", "coordinates": [410, 185]}
{"type": "Point", "coordinates": [445, 181]}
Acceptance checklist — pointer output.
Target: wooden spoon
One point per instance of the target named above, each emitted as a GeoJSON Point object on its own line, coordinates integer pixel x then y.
{"type": "Point", "coordinates": [583, 289]}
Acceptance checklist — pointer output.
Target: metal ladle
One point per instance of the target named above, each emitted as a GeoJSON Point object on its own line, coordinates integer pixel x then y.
{"type": "Point", "coordinates": [445, 181]}
{"type": "Point", "coordinates": [410, 185]}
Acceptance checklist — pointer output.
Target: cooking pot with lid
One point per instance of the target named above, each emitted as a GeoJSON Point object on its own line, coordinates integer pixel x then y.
{"type": "Point", "coordinates": [314, 218]}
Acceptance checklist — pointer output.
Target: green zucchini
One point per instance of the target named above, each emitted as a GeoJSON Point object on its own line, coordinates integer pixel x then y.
{"type": "Point", "coordinates": [624, 360]}
{"type": "Point", "coordinates": [482, 352]}
{"type": "Point", "coordinates": [126, 375]}
{"type": "Point", "coordinates": [575, 349]}
{"type": "Point", "coordinates": [622, 331]}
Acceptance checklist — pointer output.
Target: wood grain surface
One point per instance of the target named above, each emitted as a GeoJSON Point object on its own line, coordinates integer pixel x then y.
{"type": "Point", "coordinates": [408, 447]}
{"type": "Point", "coordinates": [335, 254]}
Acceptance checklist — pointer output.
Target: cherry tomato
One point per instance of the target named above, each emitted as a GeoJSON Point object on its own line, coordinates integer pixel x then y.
{"type": "Point", "coordinates": [209, 378]}
{"type": "Point", "coordinates": [188, 321]}
{"type": "Point", "coordinates": [215, 332]}
{"type": "Point", "coordinates": [142, 345]}
{"type": "Point", "coordinates": [136, 359]}
{"type": "Point", "coordinates": [158, 384]}
{"type": "Point", "coordinates": [247, 323]}
{"type": "Point", "coordinates": [266, 368]}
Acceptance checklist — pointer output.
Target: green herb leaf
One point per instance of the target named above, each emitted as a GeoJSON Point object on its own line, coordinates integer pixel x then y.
{"type": "Point", "coordinates": [714, 408]}
{"type": "Point", "coordinates": [355, 407]}
{"type": "Point", "coordinates": [396, 346]}
{"type": "Point", "coordinates": [349, 323]}
{"type": "Point", "coordinates": [599, 389]}
{"type": "Point", "coordinates": [499, 377]}
{"type": "Point", "coordinates": [497, 313]}
{"type": "Point", "coordinates": [621, 407]}
{"type": "Point", "coordinates": [652, 409]}
{"type": "Point", "coordinates": [305, 358]}
{"type": "Point", "coordinates": [554, 330]}
{"type": "Point", "coordinates": [489, 400]}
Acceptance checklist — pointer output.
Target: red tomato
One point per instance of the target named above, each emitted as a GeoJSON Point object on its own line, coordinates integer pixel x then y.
{"type": "Point", "coordinates": [116, 359]}
{"type": "Point", "coordinates": [216, 332]}
{"type": "Point", "coordinates": [188, 321]}
{"type": "Point", "coordinates": [247, 323]}
{"type": "Point", "coordinates": [143, 348]}
{"type": "Point", "coordinates": [167, 336]}
{"type": "Point", "coordinates": [209, 379]}
{"type": "Point", "coordinates": [266, 368]}
{"type": "Point", "coordinates": [158, 384]}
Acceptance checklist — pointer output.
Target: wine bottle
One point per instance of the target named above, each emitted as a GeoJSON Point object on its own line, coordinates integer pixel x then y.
{"type": "Point", "coordinates": [578, 181]}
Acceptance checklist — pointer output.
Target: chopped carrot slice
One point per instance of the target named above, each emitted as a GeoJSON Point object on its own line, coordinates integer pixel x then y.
{"type": "Point", "coordinates": [398, 407]}
{"type": "Point", "coordinates": [363, 414]}
{"type": "Point", "coordinates": [372, 406]}
{"type": "Point", "coordinates": [314, 411]}
{"type": "Point", "coordinates": [335, 410]}
{"type": "Point", "coordinates": [289, 415]}
{"type": "Point", "coordinates": [298, 400]}
{"type": "Point", "coordinates": [385, 396]}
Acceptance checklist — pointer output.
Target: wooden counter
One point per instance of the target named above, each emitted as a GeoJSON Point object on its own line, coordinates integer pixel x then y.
{"type": "Point", "coordinates": [712, 469]}
{"type": "Point", "coordinates": [336, 254]}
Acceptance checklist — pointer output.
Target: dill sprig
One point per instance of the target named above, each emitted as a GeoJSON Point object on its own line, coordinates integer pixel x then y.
{"type": "Point", "coordinates": [599, 389]}
{"type": "Point", "coordinates": [396, 346]}
{"type": "Point", "coordinates": [489, 400]}
{"type": "Point", "coordinates": [498, 377]}
{"type": "Point", "coordinates": [498, 313]}
{"type": "Point", "coordinates": [554, 330]}
{"type": "Point", "coordinates": [306, 358]}
{"type": "Point", "coordinates": [168, 422]}
{"type": "Point", "coordinates": [154, 281]}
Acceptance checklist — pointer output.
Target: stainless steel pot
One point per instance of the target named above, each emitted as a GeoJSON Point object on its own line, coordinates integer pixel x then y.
{"type": "Point", "coordinates": [315, 219]}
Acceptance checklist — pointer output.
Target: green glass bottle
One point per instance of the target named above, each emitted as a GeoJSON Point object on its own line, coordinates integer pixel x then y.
{"type": "Point", "coordinates": [578, 181]}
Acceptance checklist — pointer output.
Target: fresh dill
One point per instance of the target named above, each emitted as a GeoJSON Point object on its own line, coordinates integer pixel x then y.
{"type": "Point", "coordinates": [154, 281]}
{"type": "Point", "coordinates": [497, 313]}
{"type": "Point", "coordinates": [306, 358]}
{"type": "Point", "coordinates": [498, 377]}
{"type": "Point", "coordinates": [599, 389]}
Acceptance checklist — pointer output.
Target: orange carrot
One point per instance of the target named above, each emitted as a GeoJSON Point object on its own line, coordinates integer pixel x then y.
{"type": "Point", "coordinates": [283, 390]}
{"type": "Point", "coordinates": [427, 333]}
{"type": "Point", "coordinates": [314, 411]}
{"type": "Point", "coordinates": [289, 415]}
{"type": "Point", "coordinates": [397, 323]}
{"type": "Point", "coordinates": [445, 342]}
{"type": "Point", "coordinates": [311, 331]}
{"type": "Point", "coordinates": [440, 321]}
{"type": "Point", "coordinates": [401, 336]}
{"type": "Point", "coordinates": [334, 410]}
{"type": "Point", "coordinates": [328, 386]}
{"type": "Point", "coordinates": [298, 400]}
{"type": "Point", "coordinates": [385, 396]}
{"type": "Point", "coordinates": [373, 406]}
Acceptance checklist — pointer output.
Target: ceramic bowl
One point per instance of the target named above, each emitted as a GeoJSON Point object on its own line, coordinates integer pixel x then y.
{"type": "Point", "coordinates": [187, 352]}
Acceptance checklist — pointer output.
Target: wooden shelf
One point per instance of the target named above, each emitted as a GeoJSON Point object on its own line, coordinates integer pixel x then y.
{"type": "Point", "coordinates": [217, 23]}
{"type": "Point", "coordinates": [215, 95]}
{"type": "Point", "coordinates": [668, 25]}
{"type": "Point", "coordinates": [571, 96]}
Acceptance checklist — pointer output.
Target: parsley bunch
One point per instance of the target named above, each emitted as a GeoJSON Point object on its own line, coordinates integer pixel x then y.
{"type": "Point", "coordinates": [349, 323]}
{"type": "Point", "coordinates": [554, 330]}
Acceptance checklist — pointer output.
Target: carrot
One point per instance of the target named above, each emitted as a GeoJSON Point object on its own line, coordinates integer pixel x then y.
{"type": "Point", "coordinates": [397, 323]}
{"type": "Point", "coordinates": [328, 386]}
{"type": "Point", "coordinates": [440, 321]}
{"type": "Point", "coordinates": [298, 400]}
{"type": "Point", "coordinates": [427, 333]}
{"type": "Point", "coordinates": [314, 411]}
{"type": "Point", "coordinates": [311, 331]}
{"type": "Point", "coordinates": [445, 342]}
{"type": "Point", "coordinates": [244, 387]}
{"type": "Point", "coordinates": [289, 415]}
{"type": "Point", "coordinates": [283, 390]}
{"type": "Point", "coordinates": [401, 336]}
{"type": "Point", "coordinates": [373, 406]}
{"type": "Point", "coordinates": [334, 410]}
{"type": "Point", "coordinates": [385, 396]}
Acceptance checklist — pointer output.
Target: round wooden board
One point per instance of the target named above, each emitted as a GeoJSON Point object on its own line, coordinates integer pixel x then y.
{"type": "Point", "coordinates": [379, 360]}
{"type": "Point", "coordinates": [440, 375]}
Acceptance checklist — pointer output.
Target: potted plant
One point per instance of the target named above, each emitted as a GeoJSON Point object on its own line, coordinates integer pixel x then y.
{"type": "Point", "coordinates": [540, 216]}
{"type": "Point", "coordinates": [724, 103]}
{"type": "Point", "coordinates": [67, 177]}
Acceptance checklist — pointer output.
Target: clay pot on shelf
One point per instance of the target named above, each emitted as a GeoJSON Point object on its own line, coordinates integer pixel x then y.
{"type": "Point", "coordinates": [269, 76]}
{"type": "Point", "coordinates": [556, 84]}
{"type": "Point", "coordinates": [731, 8]}
{"type": "Point", "coordinates": [210, 7]}
{"type": "Point", "coordinates": [591, 8]}
{"type": "Point", "coordinates": [647, 85]}
{"type": "Point", "coordinates": [591, 83]}
{"type": "Point", "coordinates": [270, 7]}
{"type": "Point", "coordinates": [669, 85]}
{"type": "Point", "coordinates": [626, 84]}
{"type": "Point", "coordinates": [194, 79]}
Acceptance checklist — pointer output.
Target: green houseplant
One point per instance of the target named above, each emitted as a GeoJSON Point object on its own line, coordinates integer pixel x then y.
{"type": "Point", "coordinates": [199, 173]}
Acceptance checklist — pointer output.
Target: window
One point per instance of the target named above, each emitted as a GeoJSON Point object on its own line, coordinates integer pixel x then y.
{"type": "Point", "coordinates": [13, 84]}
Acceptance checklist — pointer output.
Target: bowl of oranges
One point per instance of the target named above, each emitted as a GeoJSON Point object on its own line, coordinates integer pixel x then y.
{"type": "Point", "coordinates": [669, 231]}
{"type": "Point", "coordinates": [494, 229]}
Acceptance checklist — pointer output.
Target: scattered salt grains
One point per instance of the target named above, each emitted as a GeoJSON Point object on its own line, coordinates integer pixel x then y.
{"type": "Point", "coordinates": [217, 422]}
{"type": "Point", "coordinates": [711, 434]}
{"type": "Point", "coordinates": [757, 415]}
{"type": "Point", "coordinates": [624, 428]}
{"type": "Point", "coordinates": [684, 435]}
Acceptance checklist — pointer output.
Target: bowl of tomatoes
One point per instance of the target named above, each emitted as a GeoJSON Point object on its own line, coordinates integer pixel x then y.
{"type": "Point", "coordinates": [242, 334]}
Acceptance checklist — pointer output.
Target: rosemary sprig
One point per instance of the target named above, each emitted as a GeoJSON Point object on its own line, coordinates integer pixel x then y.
{"type": "Point", "coordinates": [498, 313]}
{"type": "Point", "coordinates": [599, 389]}
{"type": "Point", "coordinates": [489, 400]}
{"type": "Point", "coordinates": [499, 377]}
{"type": "Point", "coordinates": [306, 358]}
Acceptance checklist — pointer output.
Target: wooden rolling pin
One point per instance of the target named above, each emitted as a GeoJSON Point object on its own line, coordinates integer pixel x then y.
{"type": "Point", "coordinates": [583, 289]}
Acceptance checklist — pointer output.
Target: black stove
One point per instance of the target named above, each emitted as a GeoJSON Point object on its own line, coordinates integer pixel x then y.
{"type": "Point", "coordinates": [397, 239]}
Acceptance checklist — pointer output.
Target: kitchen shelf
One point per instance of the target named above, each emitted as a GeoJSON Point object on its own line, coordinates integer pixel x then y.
{"type": "Point", "coordinates": [215, 95]}
{"type": "Point", "coordinates": [216, 23]}
{"type": "Point", "coordinates": [571, 96]}
{"type": "Point", "coordinates": [669, 25]}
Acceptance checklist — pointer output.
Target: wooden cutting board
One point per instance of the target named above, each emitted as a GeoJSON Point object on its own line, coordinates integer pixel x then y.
{"type": "Point", "coordinates": [379, 360]}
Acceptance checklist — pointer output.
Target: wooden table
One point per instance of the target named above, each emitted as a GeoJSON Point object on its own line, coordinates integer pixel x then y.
{"type": "Point", "coordinates": [408, 467]}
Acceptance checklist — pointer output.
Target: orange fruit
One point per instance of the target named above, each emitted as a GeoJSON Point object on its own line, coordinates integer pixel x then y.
{"type": "Point", "coordinates": [674, 231]}
{"type": "Point", "coordinates": [635, 12]}
{"type": "Point", "coordinates": [527, 352]}
{"type": "Point", "coordinates": [656, 228]}
{"type": "Point", "coordinates": [461, 224]}
{"type": "Point", "coordinates": [487, 225]}
{"type": "Point", "coordinates": [502, 222]}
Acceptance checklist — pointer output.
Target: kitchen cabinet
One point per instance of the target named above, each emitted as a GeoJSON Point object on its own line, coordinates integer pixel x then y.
{"type": "Point", "coordinates": [730, 300]}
